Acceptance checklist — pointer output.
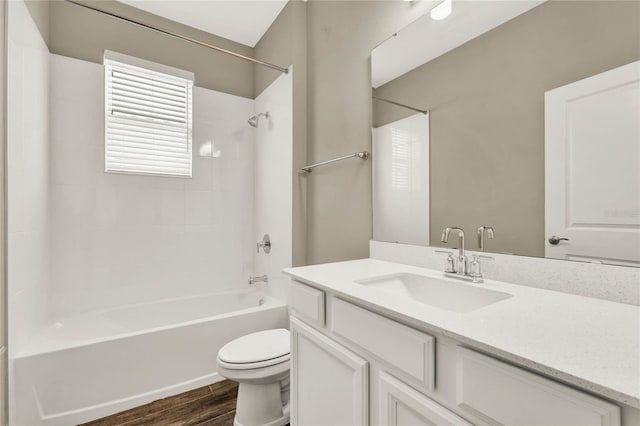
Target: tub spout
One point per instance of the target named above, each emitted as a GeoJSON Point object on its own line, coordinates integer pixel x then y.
{"type": "Point", "coordinates": [260, 279]}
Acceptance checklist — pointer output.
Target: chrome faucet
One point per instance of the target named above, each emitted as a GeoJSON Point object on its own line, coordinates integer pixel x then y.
{"type": "Point", "coordinates": [260, 279]}
{"type": "Point", "coordinates": [461, 261]}
{"type": "Point", "coordinates": [481, 230]}
{"type": "Point", "coordinates": [459, 267]}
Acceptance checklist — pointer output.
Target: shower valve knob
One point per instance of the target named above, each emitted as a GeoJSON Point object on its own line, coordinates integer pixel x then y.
{"type": "Point", "coordinates": [265, 244]}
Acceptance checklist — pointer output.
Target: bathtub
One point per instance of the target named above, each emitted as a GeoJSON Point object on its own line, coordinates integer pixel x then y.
{"type": "Point", "coordinates": [95, 364]}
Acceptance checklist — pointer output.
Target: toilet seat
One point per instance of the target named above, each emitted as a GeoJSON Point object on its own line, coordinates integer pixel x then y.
{"type": "Point", "coordinates": [256, 350]}
{"type": "Point", "coordinates": [251, 365]}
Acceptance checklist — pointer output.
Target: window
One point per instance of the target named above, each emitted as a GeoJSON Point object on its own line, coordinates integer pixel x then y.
{"type": "Point", "coordinates": [400, 158]}
{"type": "Point", "coordinates": [406, 159]}
{"type": "Point", "coordinates": [148, 117]}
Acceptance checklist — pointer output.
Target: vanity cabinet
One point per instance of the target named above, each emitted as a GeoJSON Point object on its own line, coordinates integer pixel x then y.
{"type": "Point", "coordinates": [354, 366]}
{"type": "Point", "coordinates": [329, 383]}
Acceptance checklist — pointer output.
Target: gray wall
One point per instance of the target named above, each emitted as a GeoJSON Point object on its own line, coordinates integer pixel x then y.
{"type": "Point", "coordinates": [84, 34]}
{"type": "Point", "coordinates": [487, 112]}
{"type": "Point", "coordinates": [279, 44]}
{"type": "Point", "coordinates": [40, 11]}
{"type": "Point", "coordinates": [341, 35]}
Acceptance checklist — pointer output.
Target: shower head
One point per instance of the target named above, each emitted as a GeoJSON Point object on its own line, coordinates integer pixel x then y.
{"type": "Point", "coordinates": [253, 121]}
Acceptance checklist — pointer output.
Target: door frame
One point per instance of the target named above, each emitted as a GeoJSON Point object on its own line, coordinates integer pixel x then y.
{"type": "Point", "coordinates": [4, 389]}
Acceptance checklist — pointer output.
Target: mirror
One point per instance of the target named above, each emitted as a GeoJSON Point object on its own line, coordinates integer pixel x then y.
{"type": "Point", "coordinates": [522, 117]}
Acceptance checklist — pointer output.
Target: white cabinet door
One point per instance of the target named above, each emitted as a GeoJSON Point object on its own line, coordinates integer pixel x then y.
{"type": "Point", "coordinates": [400, 405]}
{"type": "Point", "coordinates": [592, 168]}
{"type": "Point", "coordinates": [329, 384]}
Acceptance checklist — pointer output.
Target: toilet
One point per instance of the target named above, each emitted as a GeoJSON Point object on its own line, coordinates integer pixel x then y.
{"type": "Point", "coordinates": [259, 362]}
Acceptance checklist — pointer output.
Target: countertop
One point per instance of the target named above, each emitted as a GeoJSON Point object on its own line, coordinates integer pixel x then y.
{"type": "Point", "coordinates": [589, 343]}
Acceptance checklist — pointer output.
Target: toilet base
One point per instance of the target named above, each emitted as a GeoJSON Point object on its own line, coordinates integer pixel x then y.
{"type": "Point", "coordinates": [262, 405]}
{"type": "Point", "coordinates": [282, 421]}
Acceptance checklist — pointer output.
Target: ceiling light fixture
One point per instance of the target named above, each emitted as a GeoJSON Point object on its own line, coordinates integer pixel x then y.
{"type": "Point", "coordinates": [441, 11]}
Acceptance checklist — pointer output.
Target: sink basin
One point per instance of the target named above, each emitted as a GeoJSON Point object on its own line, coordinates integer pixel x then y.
{"type": "Point", "coordinates": [441, 293]}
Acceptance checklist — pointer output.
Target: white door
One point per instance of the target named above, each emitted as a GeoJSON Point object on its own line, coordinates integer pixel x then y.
{"type": "Point", "coordinates": [400, 405]}
{"type": "Point", "coordinates": [592, 168]}
{"type": "Point", "coordinates": [329, 384]}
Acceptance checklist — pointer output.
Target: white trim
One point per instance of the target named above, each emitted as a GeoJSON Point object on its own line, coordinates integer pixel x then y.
{"type": "Point", "coordinates": [142, 63]}
{"type": "Point", "coordinates": [4, 355]}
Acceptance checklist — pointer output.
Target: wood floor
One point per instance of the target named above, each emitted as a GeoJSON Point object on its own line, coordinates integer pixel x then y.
{"type": "Point", "coordinates": [213, 405]}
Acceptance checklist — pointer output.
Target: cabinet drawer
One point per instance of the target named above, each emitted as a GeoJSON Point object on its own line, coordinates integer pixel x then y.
{"type": "Point", "coordinates": [308, 303]}
{"type": "Point", "coordinates": [502, 394]}
{"type": "Point", "coordinates": [407, 350]}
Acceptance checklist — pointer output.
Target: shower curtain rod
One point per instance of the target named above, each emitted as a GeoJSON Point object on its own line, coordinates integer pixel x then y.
{"type": "Point", "coordinates": [181, 37]}
{"type": "Point", "coordinates": [423, 111]}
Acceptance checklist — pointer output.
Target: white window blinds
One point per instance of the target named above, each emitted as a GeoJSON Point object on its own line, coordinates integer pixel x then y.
{"type": "Point", "coordinates": [148, 120]}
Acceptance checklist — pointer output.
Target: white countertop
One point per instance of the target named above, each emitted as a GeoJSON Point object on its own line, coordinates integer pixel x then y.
{"type": "Point", "coordinates": [590, 343]}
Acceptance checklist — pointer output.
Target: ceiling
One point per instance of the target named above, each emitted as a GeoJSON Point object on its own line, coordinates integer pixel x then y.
{"type": "Point", "coordinates": [426, 39]}
{"type": "Point", "coordinates": [243, 21]}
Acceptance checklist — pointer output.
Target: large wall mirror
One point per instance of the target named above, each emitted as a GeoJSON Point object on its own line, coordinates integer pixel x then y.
{"type": "Point", "coordinates": [517, 117]}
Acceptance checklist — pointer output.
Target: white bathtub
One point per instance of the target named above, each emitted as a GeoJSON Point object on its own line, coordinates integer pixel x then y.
{"type": "Point", "coordinates": [95, 364]}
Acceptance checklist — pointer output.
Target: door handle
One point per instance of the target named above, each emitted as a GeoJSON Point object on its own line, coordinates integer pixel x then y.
{"type": "Point", "coordinates": [554, 241]}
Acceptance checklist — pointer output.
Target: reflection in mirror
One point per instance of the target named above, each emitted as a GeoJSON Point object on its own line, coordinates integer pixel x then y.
{"type": "Point", "coordinates": [533, 129]}
{"type": "Point", "coordinates": [401, 179]}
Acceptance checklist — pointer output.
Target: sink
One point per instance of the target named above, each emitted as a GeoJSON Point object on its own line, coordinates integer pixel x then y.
{"type": "Point", "coordinates": [438, 292]}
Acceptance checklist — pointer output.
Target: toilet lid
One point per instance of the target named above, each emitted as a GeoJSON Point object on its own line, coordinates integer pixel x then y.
{"type": "Point", "coordinates": [256, 347]}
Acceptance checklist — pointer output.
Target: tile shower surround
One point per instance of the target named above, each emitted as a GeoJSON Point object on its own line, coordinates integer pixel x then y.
{"type": "Point", "coordinates": [118, 238]}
